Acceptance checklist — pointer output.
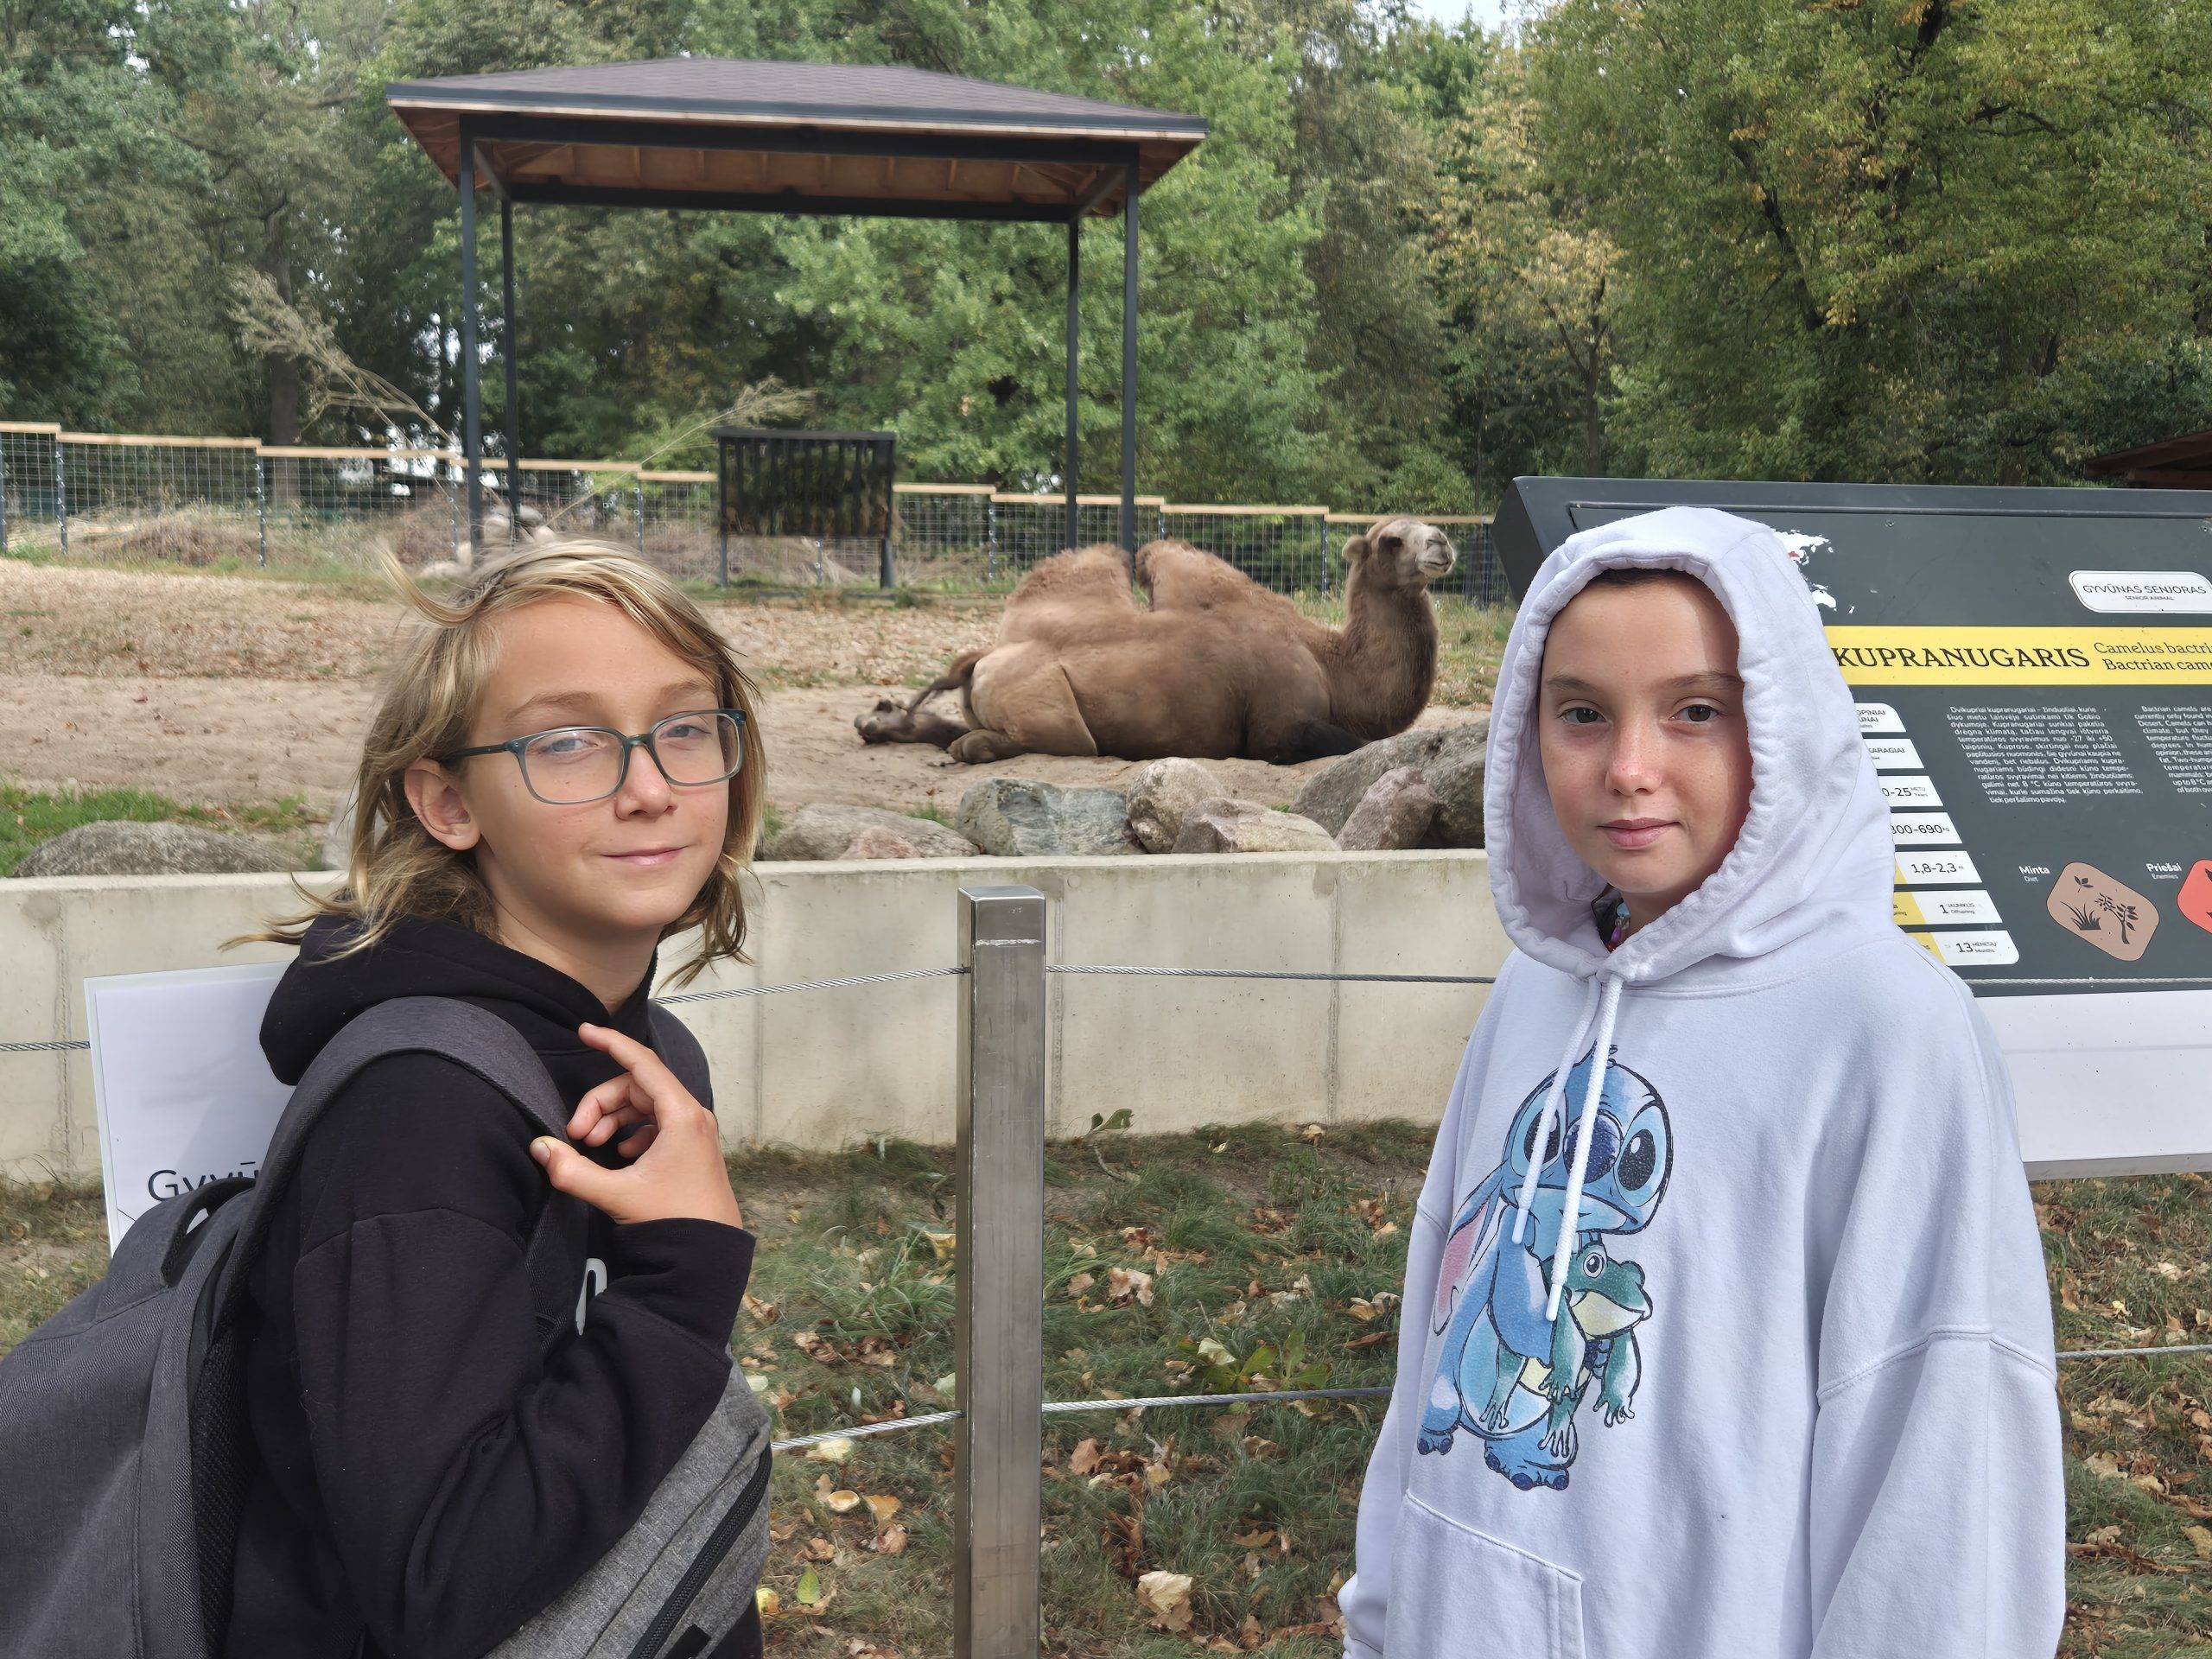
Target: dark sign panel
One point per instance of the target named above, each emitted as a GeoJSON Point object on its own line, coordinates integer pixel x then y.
{"type": "Point", "coordinates": [2033, 670]}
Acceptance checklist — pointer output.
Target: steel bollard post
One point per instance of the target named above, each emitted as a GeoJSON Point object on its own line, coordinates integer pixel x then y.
{"type": "Point", "coordinates": [998, 1502]}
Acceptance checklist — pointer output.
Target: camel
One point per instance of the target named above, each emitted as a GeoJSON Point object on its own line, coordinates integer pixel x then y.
{"type": "Point", "coordinates": [1217, 667]}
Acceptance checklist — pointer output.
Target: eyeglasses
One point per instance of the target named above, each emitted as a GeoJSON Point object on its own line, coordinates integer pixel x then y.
{"type": "Point", "coordinates": [571, 764]}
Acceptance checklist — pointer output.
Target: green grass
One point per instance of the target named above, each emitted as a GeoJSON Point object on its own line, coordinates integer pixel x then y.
{"type": "Point", "coordinates": [29, 816]}
{"type": "Point", "coordinates": [1255, 1235]}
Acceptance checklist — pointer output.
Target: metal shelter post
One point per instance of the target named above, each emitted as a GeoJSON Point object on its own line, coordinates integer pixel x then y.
{"type": "Point", "coordinates": [471, 414]}
{"type": "Point", "coordinates": [998, 1498]}
{"type": "Point", "coordinates": [513, 351]}
{"type": "Point", "coordinates": [1075, 245]}
{"type": "Point", "coordinates": [1129, 357]}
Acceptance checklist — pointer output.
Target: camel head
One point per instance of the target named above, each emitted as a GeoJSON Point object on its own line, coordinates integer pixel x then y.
{"type": "Point", "coordinates": [1402, 553]}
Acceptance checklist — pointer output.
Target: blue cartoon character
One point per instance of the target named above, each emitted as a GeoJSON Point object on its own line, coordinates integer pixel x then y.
{"type": "Point", "coordinates": [1506, 1372]}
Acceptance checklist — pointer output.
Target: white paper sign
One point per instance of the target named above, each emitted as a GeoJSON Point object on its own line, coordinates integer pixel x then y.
{"type": "Point", "coordinates": [184, 1094]}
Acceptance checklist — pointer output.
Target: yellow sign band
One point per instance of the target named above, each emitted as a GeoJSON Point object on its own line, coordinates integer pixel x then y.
{"type": "Point", "coordinates": [1871, 655]}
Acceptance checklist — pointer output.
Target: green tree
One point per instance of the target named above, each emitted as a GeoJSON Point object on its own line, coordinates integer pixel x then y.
{"type": "Point", "coordinates": [1884, 238]}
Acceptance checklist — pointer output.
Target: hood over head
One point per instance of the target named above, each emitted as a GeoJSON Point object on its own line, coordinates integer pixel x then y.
{"type": "Point", "coordinates": [1813, 865]}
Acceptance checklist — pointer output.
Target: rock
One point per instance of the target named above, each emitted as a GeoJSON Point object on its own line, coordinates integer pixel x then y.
{"type": "Point", "coordinates": [1449, 757]}
{"type": "Point", "coordinates": [1395, 813]}
{"type": "Point", "coordinates": [1162, 793]}
{"type": "Point", "coordinates": [128, 848]}
{"type": "Point", "coordinates": [337, 852]}
{"type": "Point", "coordinates": [876, 841]}
{"type": "Point", "coordinates": [823, 830]}
{"type": "Point", "coordinates": [1229, 826]}
{"type": "Point", "coordinates": [1019, 818]}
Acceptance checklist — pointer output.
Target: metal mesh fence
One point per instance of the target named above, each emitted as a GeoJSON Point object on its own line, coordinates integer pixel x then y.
{"type": "Point", "coordinates": [1284, 548]}
{"type": "Point", "coordinates": [178, 502]}
{"type": "Point", "coordinates": [343, 505]}
{"type": "Point", "coordinates": [30, 499]}
{"type": "Point", "coordinates": [231, 502]}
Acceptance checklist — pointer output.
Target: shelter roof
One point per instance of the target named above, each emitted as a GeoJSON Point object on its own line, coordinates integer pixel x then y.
{"type": "Point", "coordinates": [793, 137]}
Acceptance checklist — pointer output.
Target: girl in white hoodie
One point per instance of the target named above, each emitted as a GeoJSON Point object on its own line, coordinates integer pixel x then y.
{"type": "Point", "coordinates": [1726, 1333]}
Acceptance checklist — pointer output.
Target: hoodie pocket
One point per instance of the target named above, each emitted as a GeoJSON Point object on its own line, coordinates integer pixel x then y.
{"type": "Point", "coordinates": [1455, 1590]}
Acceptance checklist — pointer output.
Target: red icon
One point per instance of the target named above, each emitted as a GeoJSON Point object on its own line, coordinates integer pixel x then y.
{"type": "Point", "coordinates": [2195, 900]}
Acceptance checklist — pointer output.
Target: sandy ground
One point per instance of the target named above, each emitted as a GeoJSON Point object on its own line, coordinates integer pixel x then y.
{"type": "Point", "coordinates": [223, 691]}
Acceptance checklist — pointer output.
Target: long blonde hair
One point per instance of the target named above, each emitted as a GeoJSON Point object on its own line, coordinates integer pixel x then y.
{"type": "Point", "coordinates": [398, 868]}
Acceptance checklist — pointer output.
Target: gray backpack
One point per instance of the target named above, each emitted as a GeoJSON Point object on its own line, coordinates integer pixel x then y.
{"type": "Point", "coordinates": [125, 1454]}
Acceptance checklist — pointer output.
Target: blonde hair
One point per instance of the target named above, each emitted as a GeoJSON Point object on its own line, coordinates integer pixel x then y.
{"type": "Point", "coordinates": [397, 868]}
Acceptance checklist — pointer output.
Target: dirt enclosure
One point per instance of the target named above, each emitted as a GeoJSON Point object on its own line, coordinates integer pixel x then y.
{"type": "Point", "coordinates": [225, 691]}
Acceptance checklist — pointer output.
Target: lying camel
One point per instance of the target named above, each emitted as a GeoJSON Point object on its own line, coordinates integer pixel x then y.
{"type": "Point", "coordinates": [1217, 667]}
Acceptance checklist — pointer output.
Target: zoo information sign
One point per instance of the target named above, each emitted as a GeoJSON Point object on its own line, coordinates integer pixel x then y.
{"type": "Point", "coordinates": [184, 1094]}
{"type": "Point", "coordinates": [2033, 671]}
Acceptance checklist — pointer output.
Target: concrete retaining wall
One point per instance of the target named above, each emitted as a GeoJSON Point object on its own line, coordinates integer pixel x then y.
{"type": "Point", "coordinates": [820, 1069]}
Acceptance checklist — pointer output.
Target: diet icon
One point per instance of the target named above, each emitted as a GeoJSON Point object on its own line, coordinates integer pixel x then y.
{"type": "Point", "coordinates": [2195, 899]}
{"type": "Point", "coordinates": [2100, 911]}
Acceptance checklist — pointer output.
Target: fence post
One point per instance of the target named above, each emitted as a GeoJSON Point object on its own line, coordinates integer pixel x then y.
{"type": "Point", "coordinates": [61, 497]}
{"type": "Point", "coordinates": [3, 493]}
{"type": "Point", "coordinates": [641, 515]}
{"type": "Point", "coordinates": [990, 539]}
{"type": "Point", "coordinates": [261, 503]}
{"type": "Point", "coordinates": [998, 1496]}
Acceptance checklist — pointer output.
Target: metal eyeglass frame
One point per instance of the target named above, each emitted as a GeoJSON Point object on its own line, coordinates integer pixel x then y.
{"type": "Point", "coordinates": [515, 746]}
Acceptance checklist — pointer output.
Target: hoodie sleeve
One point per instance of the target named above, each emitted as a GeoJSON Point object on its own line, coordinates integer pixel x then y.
{"type": "Point", "coordinates": [1937, 1504]}
{"type": "Point", "coordinates": [1365, 1597]}
{"type": "Point", "coordinates": [468, 1481]}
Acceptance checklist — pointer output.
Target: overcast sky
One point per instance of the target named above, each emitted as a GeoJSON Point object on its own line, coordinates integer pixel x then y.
{"type": "Point", "coordinates": [1488, 13]}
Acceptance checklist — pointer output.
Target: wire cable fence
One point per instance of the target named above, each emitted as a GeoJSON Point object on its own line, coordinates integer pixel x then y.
{"type": "Point", "coordinates": [997, 1251]}
{"type": "Point", "coordinates": [236, 502]}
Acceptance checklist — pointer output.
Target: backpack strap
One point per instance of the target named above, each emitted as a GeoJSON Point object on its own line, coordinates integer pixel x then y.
{"type": "Point", "coordinates": [460, 1032]}
{"type": "Point", "coordinates": [680, 1052]}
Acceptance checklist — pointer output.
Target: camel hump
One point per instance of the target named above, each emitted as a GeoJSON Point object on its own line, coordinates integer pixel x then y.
{"type": "Point", "coordinates": [1093, 573]}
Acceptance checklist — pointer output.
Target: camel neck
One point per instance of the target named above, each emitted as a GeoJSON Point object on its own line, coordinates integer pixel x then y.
{"type": "Point", "coordinates": [1383, 665]}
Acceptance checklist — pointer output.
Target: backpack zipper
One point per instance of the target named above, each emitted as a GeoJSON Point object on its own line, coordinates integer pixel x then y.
{"type": "Point", "coordinates": [717, 1546]}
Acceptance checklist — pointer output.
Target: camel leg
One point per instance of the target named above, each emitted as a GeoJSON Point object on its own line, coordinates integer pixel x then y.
{"type": "Point", "coordinates": [955, 676]}
{"type": "Point", "coordinates": [1039, 704]}
{"type": "Point", "coordinates": [982, 747]}
{"type": "Point", "coordinates": [1310, 740]}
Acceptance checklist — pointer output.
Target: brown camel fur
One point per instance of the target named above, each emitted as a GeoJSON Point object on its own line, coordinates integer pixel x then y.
{"type": "Point", "coordinates": [1217, 667]}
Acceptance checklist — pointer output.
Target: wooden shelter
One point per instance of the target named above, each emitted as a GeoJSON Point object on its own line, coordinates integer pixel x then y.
{"type": "Point", "coordinates": [767, 137]}
{"type": "Point", "coordinates": [2182, 463]}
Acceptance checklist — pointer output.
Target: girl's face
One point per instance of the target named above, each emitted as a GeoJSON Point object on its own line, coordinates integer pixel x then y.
{"type": "Point", "coordinates": [1644, 749]}
{"type": "Point", "coordinates": [560, 880]}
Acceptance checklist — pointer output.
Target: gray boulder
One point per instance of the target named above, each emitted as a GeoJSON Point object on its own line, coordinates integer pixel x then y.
{"type": "Point", "coordinates": [1232, 826]}
{"type": "Point", "coordinates": [1162, 793]}
{"type": "Point", "coordinates": [1449, 757]}
{"type": "Point", "coordinates": [824, 830]}
{"type": "Point", "coordinates": [1019, 818]}
{"type": "Point", "coordinates": [127, 849]}
{"type": "Point", "coordinates": [1395, 813]}
{"type": "Point", "coordinates": [338, 840]}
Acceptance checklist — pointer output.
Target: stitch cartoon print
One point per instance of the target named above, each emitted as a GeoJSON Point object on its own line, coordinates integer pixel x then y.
{"type": "Point", "coordinates": [1505, 1373]}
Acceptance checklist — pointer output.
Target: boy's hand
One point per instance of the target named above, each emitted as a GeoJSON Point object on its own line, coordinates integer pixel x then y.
{"type": "Point", "coordinates": [678, 1170]}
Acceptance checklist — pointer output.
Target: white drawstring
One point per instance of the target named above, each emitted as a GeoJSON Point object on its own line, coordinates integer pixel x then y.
{"type": "Point", "coordinates": [1571, 1215]}
{"type": "Point", "coordinates": [1553, 1096]}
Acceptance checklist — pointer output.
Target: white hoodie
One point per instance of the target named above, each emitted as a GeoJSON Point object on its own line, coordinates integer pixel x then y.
{"type": "Point", "coordinates": [1814, 1410]}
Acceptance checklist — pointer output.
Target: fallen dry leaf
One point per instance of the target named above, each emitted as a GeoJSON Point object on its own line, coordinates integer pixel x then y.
{"type": "Point", "coordinates": [1166, 1597]}
{"type": "Point", "coordinates": [1122, 1283]}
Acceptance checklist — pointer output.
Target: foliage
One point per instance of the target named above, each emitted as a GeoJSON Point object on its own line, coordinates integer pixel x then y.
{"type": "Point", "coordinates": [1943, 240]}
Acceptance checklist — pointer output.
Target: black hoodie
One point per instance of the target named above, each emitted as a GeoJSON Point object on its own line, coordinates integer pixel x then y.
{"type": "Point", "coordinates": [428, 1480]}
